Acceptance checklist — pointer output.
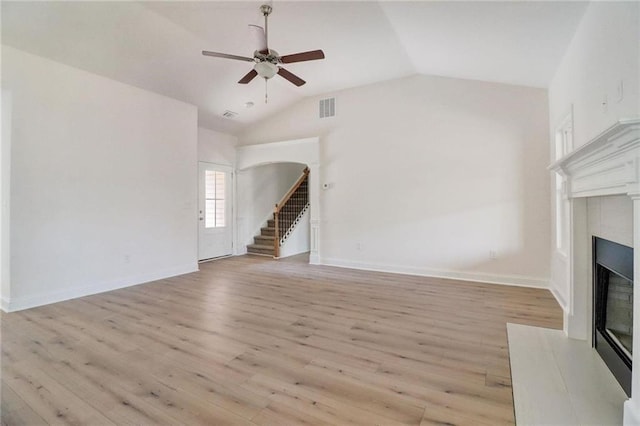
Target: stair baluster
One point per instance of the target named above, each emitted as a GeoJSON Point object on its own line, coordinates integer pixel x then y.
{"type": "Point", "coordinates": [276, 239]}
{"type": "Point", "coordinates": [287, 210]}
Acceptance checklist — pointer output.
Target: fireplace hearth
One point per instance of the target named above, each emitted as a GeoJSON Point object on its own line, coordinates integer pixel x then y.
{"type": "Point", "coordinates": [613, 307]}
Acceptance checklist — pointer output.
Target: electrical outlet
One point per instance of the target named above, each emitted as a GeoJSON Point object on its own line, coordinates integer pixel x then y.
{"type": "Point", "coordinates": [493, 255]}
{"type": "Point", "coordinates": [127, 258]}
{"type": "Point", "coordinates": [359, 246]}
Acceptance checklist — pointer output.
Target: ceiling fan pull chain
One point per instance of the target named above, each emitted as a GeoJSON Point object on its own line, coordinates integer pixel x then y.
{"type": "Point", "coordinates": [265, 90]}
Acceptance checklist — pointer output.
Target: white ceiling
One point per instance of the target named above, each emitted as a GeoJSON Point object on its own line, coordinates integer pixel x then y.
{"type": "Point", "coordinates": [157, 45]}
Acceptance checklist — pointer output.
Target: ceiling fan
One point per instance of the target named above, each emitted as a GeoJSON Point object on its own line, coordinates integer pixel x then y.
{"type": "Point", "coordinates": [267, 61]}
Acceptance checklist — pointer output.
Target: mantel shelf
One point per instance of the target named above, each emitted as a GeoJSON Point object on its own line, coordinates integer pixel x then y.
{"type": "Point", "coordinates": [606, 165]}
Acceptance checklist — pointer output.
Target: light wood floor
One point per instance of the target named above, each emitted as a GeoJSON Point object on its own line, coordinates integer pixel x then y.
{"type": "Point", "coordinates": [249, 340]}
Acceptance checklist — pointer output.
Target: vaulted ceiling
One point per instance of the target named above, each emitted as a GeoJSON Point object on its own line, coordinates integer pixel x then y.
{"type": "Point", "coordinates": [157, 45]}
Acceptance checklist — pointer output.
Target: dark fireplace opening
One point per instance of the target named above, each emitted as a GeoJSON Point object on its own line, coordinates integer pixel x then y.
{"type": "Point", "coordinates": [613, 307]}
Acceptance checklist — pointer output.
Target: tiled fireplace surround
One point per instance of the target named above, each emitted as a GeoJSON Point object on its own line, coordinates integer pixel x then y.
{"type": "Point", "coordinates": [607, 165]}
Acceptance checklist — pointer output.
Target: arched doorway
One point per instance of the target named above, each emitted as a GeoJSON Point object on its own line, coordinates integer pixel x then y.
{"type": "Point", "coordinates": [302, 151]}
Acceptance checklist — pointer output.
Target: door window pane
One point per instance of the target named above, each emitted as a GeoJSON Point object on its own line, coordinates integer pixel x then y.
{"type": "Point", "coordinates": [214, 184]}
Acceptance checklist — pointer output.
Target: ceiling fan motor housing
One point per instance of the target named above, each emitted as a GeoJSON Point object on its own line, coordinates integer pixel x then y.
{"type": "Point", "coordinates": [272, 56]}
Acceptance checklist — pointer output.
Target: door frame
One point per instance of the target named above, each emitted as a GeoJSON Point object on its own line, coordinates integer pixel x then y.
{"type": "Point", "coordinates": [227, 168]}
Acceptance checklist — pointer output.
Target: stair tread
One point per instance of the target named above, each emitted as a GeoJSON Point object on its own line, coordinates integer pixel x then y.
{"type": "Point", "coordinates": [260, 246]}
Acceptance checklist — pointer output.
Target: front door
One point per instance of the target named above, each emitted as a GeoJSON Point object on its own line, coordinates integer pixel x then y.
{"type": "Point", "coordinates": [215, 235]}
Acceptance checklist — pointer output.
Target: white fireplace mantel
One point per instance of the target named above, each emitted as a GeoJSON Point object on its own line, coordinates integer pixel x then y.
{"type": "Point", "coordinates": [609, 164]}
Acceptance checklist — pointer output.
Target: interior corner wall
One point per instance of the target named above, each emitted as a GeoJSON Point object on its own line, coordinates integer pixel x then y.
{"type": "Point", "coordinates": [602, 57]}
{"type": "Point", "coordinates": [259, 189]}
{"type": "Point", "coordinates": [103, 182]}
{"type": "Point", "coordinates": [5, 192]}
{"type": "Point", "coordinates": [431, 176]}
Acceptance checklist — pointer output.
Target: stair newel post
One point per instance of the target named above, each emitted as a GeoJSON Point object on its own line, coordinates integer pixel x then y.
{"type": "Point", "coordinates": [276, 234]}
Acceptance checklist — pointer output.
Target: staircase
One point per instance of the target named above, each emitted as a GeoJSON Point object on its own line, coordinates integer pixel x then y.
{"type": "Point", "coordinates": [264, 243]}
{"type": "Point", "coordinates": [286, 215]}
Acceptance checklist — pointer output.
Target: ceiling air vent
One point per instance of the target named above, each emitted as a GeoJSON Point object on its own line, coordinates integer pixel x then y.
{"type": "Point", "coordinates": [327, 107]}
{"type": "Point", "coordinates": [229, 114]}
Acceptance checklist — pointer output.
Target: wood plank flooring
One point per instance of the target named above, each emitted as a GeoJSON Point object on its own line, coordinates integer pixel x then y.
{"type": "Point", "coordinates": [248, 340]}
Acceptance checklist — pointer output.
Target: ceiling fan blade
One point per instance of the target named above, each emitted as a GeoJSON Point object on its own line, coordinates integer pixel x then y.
{"type": "Point", "coordinates": [257, 32]}
{"type": "Point", "coordinates": [247, 78]}
{"type": "Point", "coordinates": [303, 56]}
{"type": "Point", "coordinates": [227, 56]}
{"type": "Point", "coordinates": [291, 77]}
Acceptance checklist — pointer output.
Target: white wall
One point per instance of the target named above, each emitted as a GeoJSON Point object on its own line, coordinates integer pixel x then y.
{"type": "Point", "coordinates": [259, 189]}
{"type": "Point", "coordinates": [5, 192]}
{"type": "Point", "coordinates": [429, 175]}
{"type": "Point", "coordinates": [298, 241]}
{"type": "Point", "coordinates": [604, 51]}
{"type": "Point", "coordinates": [215, 147]}
{"type": "Point", "coordinates": [103, 189]}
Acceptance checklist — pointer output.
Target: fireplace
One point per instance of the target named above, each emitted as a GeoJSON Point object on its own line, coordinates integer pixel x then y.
{"type": "Point", "coordinates": [608, 164]}
{"type": "Point", "coordinates": [613, 307]}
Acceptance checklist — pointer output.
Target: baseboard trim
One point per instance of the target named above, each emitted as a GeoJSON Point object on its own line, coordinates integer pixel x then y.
{"type": "Point", "coordinates": [4, 304]}
{"type": "Point", "coordinates": [21, 303]}
{"type": "Point", "coordinates": [213, 259]}
{"type": "Point", "coordinates": [563, 303]}
{"type": "Point", "coordinates": [513, 280]}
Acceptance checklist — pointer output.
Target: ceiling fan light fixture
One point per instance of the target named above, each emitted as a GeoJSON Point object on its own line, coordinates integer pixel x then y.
{"type": "Point", "coordinates": [266, 69]}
